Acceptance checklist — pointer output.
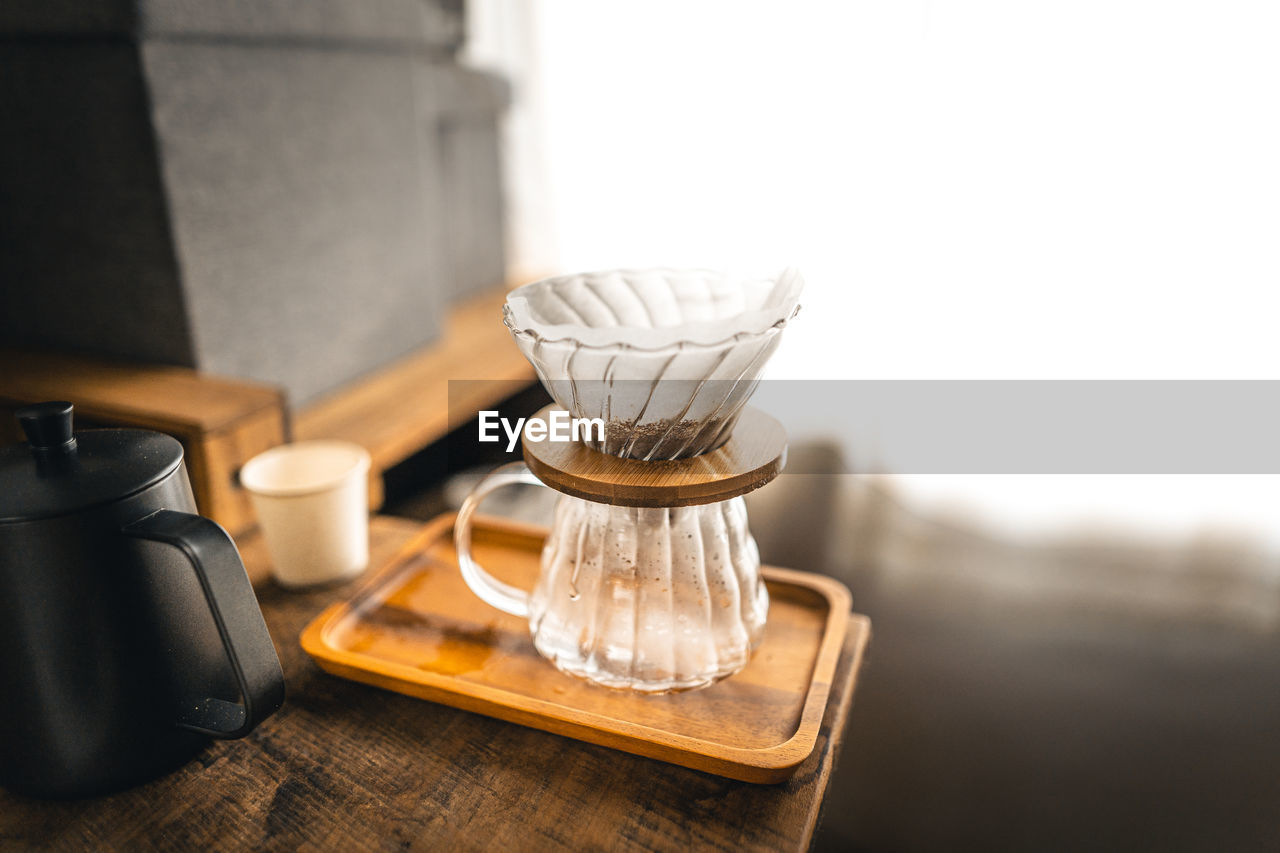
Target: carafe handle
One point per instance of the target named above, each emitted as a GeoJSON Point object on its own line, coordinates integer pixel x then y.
{"type": "Point", "coordinates": [245, 639]}
{"type": "Point", "coordinates": [489, 589]}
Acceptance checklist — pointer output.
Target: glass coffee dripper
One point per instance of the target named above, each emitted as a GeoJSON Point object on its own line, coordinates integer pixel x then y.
{"type": "Point", "coordinates": [666, 358]}
{"type": "Point", "coordinates": [633, 594]}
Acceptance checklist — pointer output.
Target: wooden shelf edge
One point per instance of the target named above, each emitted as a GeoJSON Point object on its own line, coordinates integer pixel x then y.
{"type": "Point", "coordinates": [148, 395]}
{"type": "Point", "coordinates": [403, 407]}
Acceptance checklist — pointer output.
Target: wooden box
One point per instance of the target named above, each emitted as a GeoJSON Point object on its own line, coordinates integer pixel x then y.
{"type": "Point", "coordinates": [221, 422]}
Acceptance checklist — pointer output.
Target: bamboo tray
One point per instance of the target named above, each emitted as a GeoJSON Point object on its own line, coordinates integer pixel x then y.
{"type": "Point", "coordinates": [417, 629]}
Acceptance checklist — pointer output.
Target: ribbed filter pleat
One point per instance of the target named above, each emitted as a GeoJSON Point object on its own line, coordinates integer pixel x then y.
{"type": "Point", "coordinates": [626, 447]}
{"type": "Point", "coordinates": [664, 449]}
{"type": "Point", "coordinates": [575, 401]}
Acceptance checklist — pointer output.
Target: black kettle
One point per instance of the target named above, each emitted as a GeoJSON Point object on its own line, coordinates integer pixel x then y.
{"type": "Point", "coordinates": [129, 633]}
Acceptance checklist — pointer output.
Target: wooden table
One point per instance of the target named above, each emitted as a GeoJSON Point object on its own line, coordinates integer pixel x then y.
{"type": "Point", "coordinates": [343, 766]}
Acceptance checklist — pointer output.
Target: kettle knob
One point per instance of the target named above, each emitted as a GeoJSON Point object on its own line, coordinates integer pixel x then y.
{"type": "Point", "coordinates": [48, 426]}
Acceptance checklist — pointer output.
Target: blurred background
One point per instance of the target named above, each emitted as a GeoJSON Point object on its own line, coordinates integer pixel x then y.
{"type": "Point", "coordinates": [992, 190]}
{"type": "Point", "coordinates": [973, 190]}
{"type": "Point", "coordinates": [304, 194]}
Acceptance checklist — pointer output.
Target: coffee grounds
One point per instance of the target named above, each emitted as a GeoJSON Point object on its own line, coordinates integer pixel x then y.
{"type": "Point", "coordinates": [663, 439]}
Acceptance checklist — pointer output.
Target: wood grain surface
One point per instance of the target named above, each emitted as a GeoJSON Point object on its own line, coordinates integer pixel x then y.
{"type": "Point", "coordinates": [754, 455]}
{"type": "Point", "coordinates": [144, 395]}
{"type": "Point", "coordinates": [344, 766]}
{"type": "Point", "coordinates": [419, 630]}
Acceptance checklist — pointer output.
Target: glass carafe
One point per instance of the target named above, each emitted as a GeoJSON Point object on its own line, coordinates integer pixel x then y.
{"type": "Point", "coordinates": [649, 599]}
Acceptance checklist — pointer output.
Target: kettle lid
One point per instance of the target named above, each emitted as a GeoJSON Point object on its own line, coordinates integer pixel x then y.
{"type": "Point", "coordinates": [59, 472]}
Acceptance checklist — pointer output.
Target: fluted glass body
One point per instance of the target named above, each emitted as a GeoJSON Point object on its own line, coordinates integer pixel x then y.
{"type": "Point", "coordinates": [650, 599]}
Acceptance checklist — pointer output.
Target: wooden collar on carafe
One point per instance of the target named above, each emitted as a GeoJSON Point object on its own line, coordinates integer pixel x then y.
{"type": "Point", "coordinates": [751, 458]}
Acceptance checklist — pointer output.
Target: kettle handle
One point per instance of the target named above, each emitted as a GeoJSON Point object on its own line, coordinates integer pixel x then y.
{"type": "Point", "coordinates": [234, 606]}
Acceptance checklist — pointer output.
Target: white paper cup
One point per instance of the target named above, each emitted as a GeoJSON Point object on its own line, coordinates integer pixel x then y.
{"type": "Point", "coordinates": [312, 502]}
